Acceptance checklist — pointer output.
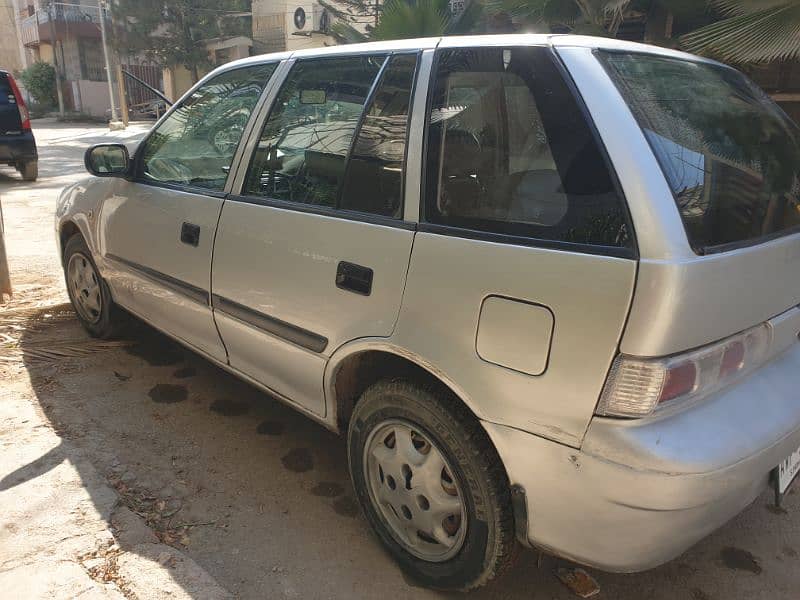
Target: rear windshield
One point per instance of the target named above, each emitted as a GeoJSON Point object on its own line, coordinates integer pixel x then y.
{"type": "Point", "coordinates": [730, 155]}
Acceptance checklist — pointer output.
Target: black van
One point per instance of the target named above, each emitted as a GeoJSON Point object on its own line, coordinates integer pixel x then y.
{"type": "Point", "coordinates": [17, 144]}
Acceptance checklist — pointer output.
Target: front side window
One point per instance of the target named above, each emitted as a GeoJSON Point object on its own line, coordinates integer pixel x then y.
{"type": "Point", "coordinates": [195, 144]}
{"type": "Point", "coordinates": [510, 153]}
{"type": "Point", "coordinates": [730, 155]}
{"type": "Point", "coordinates": [302, 152]}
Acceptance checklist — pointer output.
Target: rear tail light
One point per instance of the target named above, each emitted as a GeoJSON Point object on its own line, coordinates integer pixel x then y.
{"type": "Point", "coordinates": [638, 386]}
{"type": "Point", "coordinates": [24, 116]}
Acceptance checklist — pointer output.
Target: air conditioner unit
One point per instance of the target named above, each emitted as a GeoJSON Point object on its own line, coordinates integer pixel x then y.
{"type": "Point", "coordinates": [307, 18]}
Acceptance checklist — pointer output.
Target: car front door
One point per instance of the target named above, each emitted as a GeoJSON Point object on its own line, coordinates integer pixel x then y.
{"type": "Point", "coordinates": [157, 231]}
{"type": "Point", "coordinates": [314, 250]}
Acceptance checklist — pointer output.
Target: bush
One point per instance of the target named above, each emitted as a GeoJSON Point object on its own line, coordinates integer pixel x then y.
{"type": "Point", "coordinates": [40, 81]}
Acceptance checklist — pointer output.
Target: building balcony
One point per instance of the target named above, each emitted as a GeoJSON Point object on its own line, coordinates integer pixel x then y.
{"type": "Point", "coordinates": [68, 20]}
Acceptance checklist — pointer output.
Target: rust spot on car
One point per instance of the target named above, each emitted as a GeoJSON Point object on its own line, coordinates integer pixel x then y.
{"type": "Point", "coordinates": [168, 393]}
{"type": "Point", "coordinates": [298, 460]}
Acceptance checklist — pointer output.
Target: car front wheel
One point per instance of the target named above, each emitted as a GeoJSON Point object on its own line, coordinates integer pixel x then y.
{"type": "Point", "coordinates": [88, 291]}
{"type": "Point", "coordinates": [431, 485]}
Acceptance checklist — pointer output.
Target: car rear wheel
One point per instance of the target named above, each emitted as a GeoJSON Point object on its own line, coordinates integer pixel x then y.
{"type": "Point", "coordinates": [29, 170]}
{"type": "Point", "coordinates": [89, 292]}
{"type": "Point", "coordinates": [431, 485]}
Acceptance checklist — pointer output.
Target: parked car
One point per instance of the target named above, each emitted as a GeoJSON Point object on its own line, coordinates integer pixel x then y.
{"type": "Point", "coordinates": [548, 286]}
{"type": "Point", "coordinates": [17, 144]}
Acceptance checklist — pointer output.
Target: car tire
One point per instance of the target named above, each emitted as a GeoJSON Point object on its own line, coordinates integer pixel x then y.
{"type": "Point", "coordinates": [29, 170]}
{"type": "Point", "coordinates": [89, 292]}
{"type": "Point", "coordinates": [404, 504]}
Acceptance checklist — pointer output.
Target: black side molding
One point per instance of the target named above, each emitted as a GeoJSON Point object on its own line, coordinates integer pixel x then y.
{"type": "Point", "coordinates": [291, 333]}
{"type": "Point", "coordinates": [192, 292]}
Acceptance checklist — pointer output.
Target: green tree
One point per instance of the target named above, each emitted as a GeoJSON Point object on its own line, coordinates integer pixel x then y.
{"type": "Point", "coordinates": [403, 19]}
{"type": "Point", "coordinates": [596, 17]}
{"type": "Point", "coordinates": [173, 33]}
{"type": "Point", "coordinates": [40, 81]}
{"type": "Point", "coordinates": [750, 31]}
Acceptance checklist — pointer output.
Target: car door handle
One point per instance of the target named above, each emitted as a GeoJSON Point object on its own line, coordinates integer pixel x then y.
{"type": "Point", "coordinates": [190, 234]}
{"type": "Point", "coordinates": [354, 278]}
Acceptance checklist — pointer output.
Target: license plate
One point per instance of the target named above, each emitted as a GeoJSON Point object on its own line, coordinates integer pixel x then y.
{"type": "Point", "coordinates": [788, 470]}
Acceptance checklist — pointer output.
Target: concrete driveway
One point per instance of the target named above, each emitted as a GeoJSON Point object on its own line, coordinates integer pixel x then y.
{"type": "Point", "coordinates": [211, 487]}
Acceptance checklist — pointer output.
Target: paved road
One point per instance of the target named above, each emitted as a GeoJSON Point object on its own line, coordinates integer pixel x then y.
{"type": "Point", "coordinates": [257, 495]}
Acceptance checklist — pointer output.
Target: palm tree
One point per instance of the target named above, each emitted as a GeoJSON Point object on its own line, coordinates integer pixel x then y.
{"type": "Point", "coordinates": [402, 19]}
{"type": "Point", "coordinates": [598, 17]}
{"type": "Point", "coordinates": [752, 31]}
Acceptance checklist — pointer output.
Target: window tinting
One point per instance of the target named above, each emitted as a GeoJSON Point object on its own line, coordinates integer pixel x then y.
{"type": "Point", "coordinates": [730, 155]}
{"type": "Point", "coordinates": [196, 143]}
{"type": "Point", "coordinates": [6, 95]}
{"type": "Point", "coordinates": [509, 152]}
{"type": "Point", "coordinates": [302, 153]}
{"type": "Point", "coordinates": [374, 180]}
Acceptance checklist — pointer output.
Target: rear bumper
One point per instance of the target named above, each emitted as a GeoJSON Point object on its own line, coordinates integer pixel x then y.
{"type": "Point", "coordinates": [20, 147]}
{"type": "Point", "coordinates": [640, 492]}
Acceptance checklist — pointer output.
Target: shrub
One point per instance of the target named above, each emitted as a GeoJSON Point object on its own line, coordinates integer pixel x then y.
{"type": "Point", "coordinates": [40, 81]}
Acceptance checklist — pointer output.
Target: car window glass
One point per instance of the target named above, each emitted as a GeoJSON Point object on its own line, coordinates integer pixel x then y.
{"type": "Point", "coordinates": [729, 153]}
{"type": "Point", "coordinates": [374, 180]}
{"type": "Point", "coordinates": [303, 147]}
{"type": "Point", "coordinates": [510, 152]}
{"type": "Point", "coordinates": [196, 143]}
{"type": "Point", "coordinates": [6, 93]}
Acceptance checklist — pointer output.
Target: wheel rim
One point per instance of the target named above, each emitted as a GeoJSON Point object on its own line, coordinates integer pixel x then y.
{"type": "Point", "coordinates": [84, 284]}
{"type": "Point", "coordinates": [414, 488]}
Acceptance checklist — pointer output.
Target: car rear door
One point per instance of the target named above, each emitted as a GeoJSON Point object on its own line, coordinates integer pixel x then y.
{"type": "Point", "coordinates": [524, 262]}
{"type": "Point", "coordinates": [157, 231]}
{"type": "Point", "coordinates": [313, 251]}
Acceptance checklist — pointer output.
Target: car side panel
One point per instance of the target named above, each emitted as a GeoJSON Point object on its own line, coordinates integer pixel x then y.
{"type": "Point", "coordinates": [589, 296]}
{"type": "Point", "coordinates": [150, 270]}
{"type": "Point", "coordinates": [281, 266]}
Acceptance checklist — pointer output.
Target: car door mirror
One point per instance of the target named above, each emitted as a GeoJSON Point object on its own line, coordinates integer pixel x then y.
{"type": "Point", "coordinates": [107, 160]}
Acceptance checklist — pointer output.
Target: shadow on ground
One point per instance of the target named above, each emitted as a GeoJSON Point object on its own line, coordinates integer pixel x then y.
{"type": "Point", "coordinates": [259, 495]}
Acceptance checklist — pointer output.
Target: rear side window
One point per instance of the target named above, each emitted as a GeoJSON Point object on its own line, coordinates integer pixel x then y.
{"type": "Point", "coordinates": [302, 151]}
{"type": "Point", "coordinates": [374, 179]}
{"type": "Point", "coordinates": [195, 145]}
{"type": "Point", "coordinates": [730, 155]}
{"type": "Point", "coordinates": [509, 152]}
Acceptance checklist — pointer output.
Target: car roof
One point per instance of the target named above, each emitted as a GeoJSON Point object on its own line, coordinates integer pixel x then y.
{"type": "Point", "coordinates": [515, 39]}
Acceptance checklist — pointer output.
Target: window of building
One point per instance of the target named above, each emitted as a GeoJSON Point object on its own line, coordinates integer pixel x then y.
{"type": "Point", "coordinates": [92, 62]}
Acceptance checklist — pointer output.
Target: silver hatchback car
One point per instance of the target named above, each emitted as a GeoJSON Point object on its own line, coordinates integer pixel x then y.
{"type": "Point", "coordinates": [547, 285]}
